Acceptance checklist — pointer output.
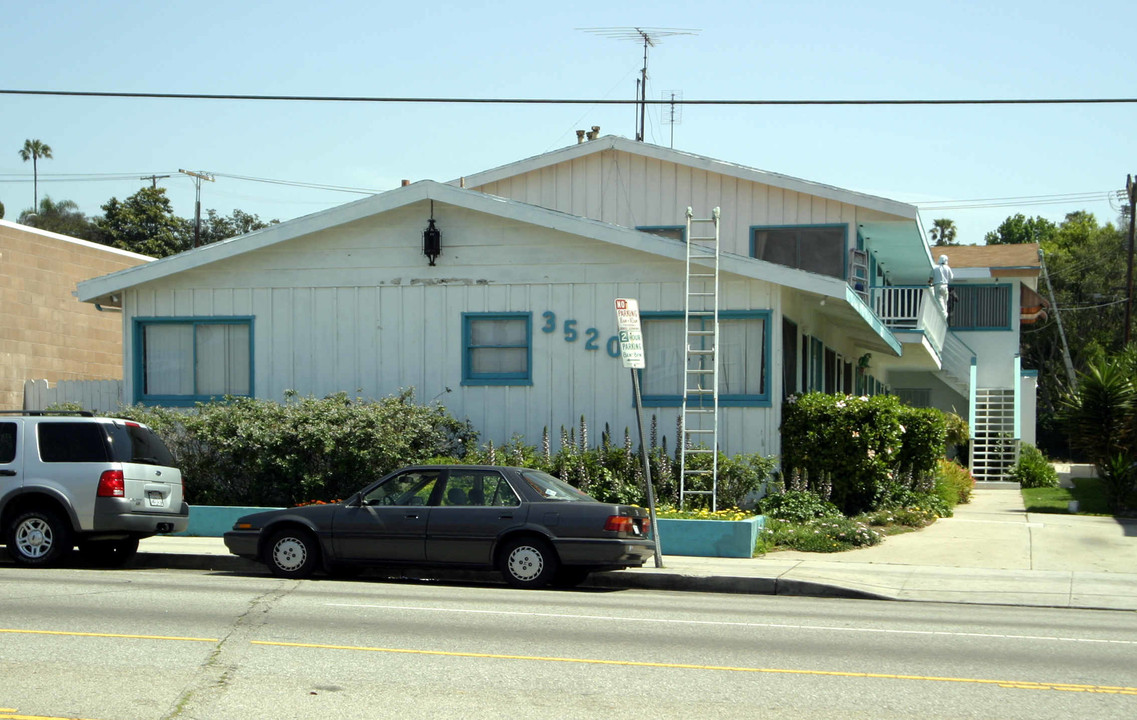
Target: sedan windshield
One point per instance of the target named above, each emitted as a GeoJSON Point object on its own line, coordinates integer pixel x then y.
{"type": "Point", "coordinates": [552, 488]}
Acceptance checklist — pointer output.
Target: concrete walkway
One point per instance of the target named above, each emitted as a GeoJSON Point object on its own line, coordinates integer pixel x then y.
{"type": "Point", "coordinates": [992, 551]}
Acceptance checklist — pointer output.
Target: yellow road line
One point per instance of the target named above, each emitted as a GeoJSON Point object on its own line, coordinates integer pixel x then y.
{"type": "Point", "coordinates": [105, 635]}
{"type": "Point", "coordinates": [1016, 684]}
{"type": "Point", "coordinates": [5, 715]}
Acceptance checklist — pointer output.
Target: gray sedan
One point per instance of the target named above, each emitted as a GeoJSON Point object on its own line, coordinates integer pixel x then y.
{"type": "Point", "coordinates": [534, 528]}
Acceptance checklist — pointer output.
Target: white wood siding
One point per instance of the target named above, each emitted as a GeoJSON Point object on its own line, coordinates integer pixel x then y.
{"type": "Point", "coordinates": [357, 309]}
{"type": "Point", "coordinates": [633, 190]}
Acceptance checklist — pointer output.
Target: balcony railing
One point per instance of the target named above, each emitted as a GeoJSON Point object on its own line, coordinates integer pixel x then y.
{"type": "Point", "coordinates": [911, 307]}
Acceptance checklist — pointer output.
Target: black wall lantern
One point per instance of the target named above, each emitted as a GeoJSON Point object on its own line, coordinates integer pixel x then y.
{"type": "Point", "coordinates": [432, 238]}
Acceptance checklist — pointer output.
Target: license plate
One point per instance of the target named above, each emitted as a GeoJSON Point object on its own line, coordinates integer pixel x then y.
{"type": "Point", "coordinates": [156, 499]}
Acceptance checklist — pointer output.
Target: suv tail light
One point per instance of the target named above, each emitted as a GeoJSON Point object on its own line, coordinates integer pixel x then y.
{"type": "Point", "coordinates": [111, 484]}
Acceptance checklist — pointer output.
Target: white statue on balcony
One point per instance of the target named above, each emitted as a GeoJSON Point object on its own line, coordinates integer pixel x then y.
{"type": "Point", "coordinates": [940, 279]}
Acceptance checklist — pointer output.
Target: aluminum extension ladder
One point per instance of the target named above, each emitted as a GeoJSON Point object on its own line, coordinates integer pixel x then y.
{"type": "Point", "coordinates": [698, 465]}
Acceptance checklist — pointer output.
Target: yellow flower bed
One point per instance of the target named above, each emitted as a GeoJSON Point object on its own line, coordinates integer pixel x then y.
{"type": "Point", "coordinates": [703, 514]}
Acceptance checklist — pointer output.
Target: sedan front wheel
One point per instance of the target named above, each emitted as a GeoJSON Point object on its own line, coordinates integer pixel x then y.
{"type": "Point", "coordinates": [528, 563]}
{"type": "Point", "coordinates": [292, 554]}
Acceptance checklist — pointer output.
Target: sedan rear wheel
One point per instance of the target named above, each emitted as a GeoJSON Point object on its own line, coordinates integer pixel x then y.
{"type": "Point", "coordinates": [292, 554]}
{"type": "Point", "coordinates": [528, 563]}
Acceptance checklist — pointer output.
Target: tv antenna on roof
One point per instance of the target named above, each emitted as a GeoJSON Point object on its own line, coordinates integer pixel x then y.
{"type": "Point", "coordinates": [650, 37]}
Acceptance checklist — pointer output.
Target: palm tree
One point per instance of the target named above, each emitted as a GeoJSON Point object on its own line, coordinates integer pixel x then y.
{"type": "Point", "coordinates": [943, 232]}
{"type": "Point", "coordinates": [34, 150]}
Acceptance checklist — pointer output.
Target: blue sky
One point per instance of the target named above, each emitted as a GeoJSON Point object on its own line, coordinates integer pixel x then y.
{"type": "Point", "coordinates": [807, 49]}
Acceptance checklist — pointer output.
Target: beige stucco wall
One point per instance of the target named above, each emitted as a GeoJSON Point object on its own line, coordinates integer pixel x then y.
{"type": "Point", "coordinates": [45, 332]}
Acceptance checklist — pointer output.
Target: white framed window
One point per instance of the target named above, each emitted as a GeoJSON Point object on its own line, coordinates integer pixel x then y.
{"type": "Point", "coordinates": [743, 352]}
{"type": "Point", "coordinates": [497, 348]}
{"type": "Point", "coordinates": [180, 361]}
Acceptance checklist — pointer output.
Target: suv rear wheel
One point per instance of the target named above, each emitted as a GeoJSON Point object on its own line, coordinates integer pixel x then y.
{"type": "Point", "coordinates": [38, 538]}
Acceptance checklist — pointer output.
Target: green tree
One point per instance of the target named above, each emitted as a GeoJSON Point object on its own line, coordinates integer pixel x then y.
{"type": "Point", "coordinates": [215, 227]}
{"type": "Point", "coordinates": [1101, 418]}
{"type": "Point", "coordinates": [34, 150]}
{"type": "Point", "coordinates": [143, 223]}
{"type": "Point", "coordinates": [1018, 229]}
{"type": "Point", "coordinates": [1, 211]}
{"type": "Point", "coordinates": [943, 232]}
{"type": "Point", "coordinates": [1086, 264]}
{"type": "Point", "coordinates": [61, 217]}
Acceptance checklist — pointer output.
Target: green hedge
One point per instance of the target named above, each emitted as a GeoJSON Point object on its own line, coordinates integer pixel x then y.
{"type": "Point", "coordinates": [851, 450]}
{"type": "Point", "coordinates": [245, 451]}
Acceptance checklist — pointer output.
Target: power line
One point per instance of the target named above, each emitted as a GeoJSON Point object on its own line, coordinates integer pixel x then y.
{"type": "Point", "coordinates": [558, 101]}
{"type": "Point", "coordinates": [1011, 202]}
{"type": "Point", "coordinates": [1018, 197]}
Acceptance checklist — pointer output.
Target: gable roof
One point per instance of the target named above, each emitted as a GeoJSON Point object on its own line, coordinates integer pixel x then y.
{"type": "Point", "coordinates": [849, 311]}
{"type": "Point", "coordinates": [994, 257]}
{"type": "Point", "coordinates": [700, 162]}
{"type": "Point", "coordinates": [101, 289]}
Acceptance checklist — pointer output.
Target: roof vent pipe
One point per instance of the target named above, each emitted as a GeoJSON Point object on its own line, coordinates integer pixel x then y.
{"type": "Point", "coordinates": [579, 137]}
{"type": "Point", "coordinates": [406, 182]}
{"type": "Point", "coordinates": [595, 132]}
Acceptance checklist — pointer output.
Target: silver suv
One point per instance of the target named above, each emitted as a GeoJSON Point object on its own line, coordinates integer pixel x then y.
{"type": "Point", "coordinates": [70, 479]}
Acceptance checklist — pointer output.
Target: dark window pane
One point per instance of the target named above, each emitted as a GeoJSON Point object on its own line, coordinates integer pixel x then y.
{"type": "Point", "coordinates": [7, 442]}
{"type": "Point", "coordinates": [776, 246]}
{"type": "Point", "coordinates": [73, 442]}
{"type": "Point", "coordinates": [131, 443]}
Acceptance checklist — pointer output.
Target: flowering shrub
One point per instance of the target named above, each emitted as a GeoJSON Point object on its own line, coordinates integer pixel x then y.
{"type": "Point", "coordinates": [1033, 470]}
{"type": "Point", "coordinates": [846, 447]}
{"type": "Point", "coordinates": [820, 535]}
{"type": "Point", "coordinates": [915, 517]}
{"type": "Point", "coordinates": [797, 506]}
{"type": "Point", "coordinates": [613, 472]}
{"type": "Point", "coordinates": [954, 483]}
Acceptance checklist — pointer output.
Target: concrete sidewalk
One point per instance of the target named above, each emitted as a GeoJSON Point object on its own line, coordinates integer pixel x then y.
{"type": "Point", "coordinates": [992, 551]}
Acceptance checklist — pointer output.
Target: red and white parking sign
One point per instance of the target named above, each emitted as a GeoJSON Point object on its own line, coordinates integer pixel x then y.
{"type": "Point", "coordinates": [631, 337]}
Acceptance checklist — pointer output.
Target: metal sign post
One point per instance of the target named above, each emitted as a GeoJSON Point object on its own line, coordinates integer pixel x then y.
{"type": "Point", "coordinates": [632, 355]}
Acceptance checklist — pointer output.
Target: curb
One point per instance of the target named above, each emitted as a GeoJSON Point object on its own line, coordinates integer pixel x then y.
{"type": "Point", "coordinates": [618, 580]}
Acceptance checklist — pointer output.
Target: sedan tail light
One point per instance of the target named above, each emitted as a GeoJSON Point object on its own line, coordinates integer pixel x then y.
{"type": "Point", "coordinates": [625, 524]}
{"type": "Point", "coordinates": [620, 523]}
{"type": "Point", "coordinates": [111, 484]}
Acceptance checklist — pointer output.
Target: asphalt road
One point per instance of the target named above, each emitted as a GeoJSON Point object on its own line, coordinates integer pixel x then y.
{"type": "Point", "coordinates": [118, 645]}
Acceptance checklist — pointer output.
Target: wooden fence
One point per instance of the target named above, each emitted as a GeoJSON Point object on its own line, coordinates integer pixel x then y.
{"type": "Point", "coordinates": [94, 395]}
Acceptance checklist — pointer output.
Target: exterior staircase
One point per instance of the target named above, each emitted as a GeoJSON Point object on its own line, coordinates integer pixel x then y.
{"type": "Point", "coordinates": [994, 447]}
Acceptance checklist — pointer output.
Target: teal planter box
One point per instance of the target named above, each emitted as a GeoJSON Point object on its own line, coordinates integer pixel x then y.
{"type": "Point", "coordinates": [709, 538]}
{"type": "Point", "coordinates": [215, 520]}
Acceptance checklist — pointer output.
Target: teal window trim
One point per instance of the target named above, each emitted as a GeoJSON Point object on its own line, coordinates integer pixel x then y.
{"type": "Point", "coordinates": [844, 227]}
{"type": "Point", "coordinates": [1008, 327]}
{"type": "Point", "coordinates": [469, 377]}
{"type": "Point", "coordinates": [654, 228]}
{"type": "Point", "coordinates": [733, 400]}
{"type": "Point", "coordinates": [139, 371]}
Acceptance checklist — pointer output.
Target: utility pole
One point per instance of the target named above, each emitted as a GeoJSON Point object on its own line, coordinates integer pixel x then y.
{"type": "Point", "coordinates": [1131, 190]}
{"type": "Point", "coordinates": [154, 179]}
{"type": "Point", "coordinates": [197, 178]}
{"type": "Point", "coordinates": [1058, 316]}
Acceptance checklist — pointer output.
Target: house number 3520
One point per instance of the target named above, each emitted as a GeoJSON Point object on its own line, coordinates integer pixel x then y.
{"type": "Point", "coordinates": [572, 334]}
